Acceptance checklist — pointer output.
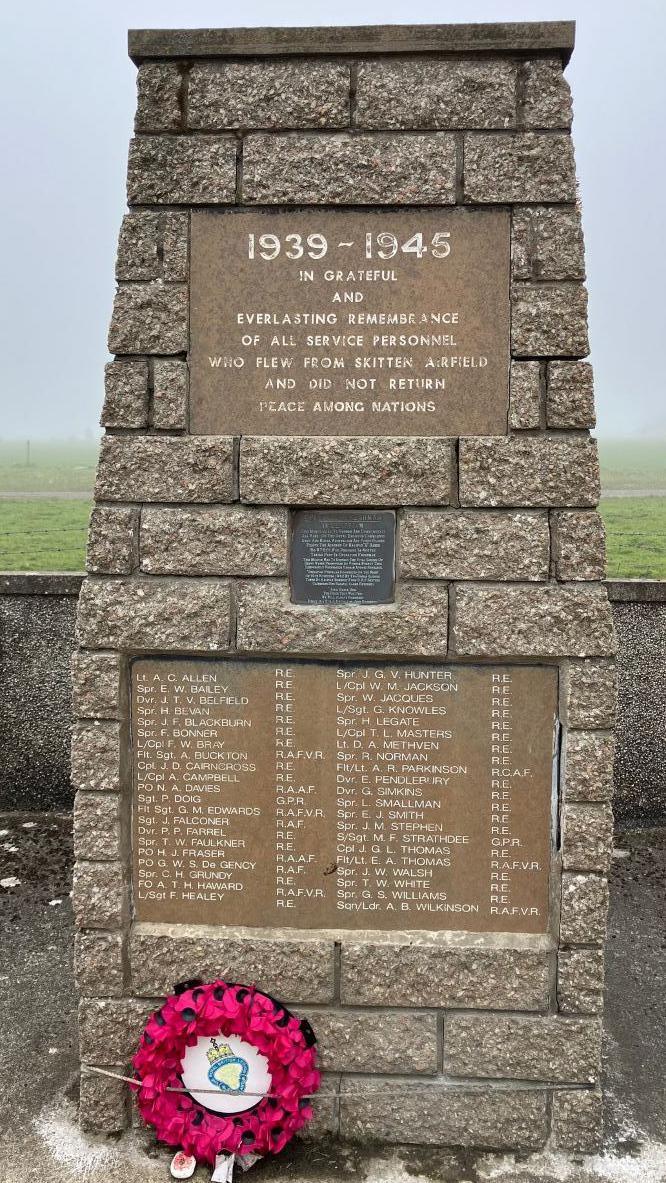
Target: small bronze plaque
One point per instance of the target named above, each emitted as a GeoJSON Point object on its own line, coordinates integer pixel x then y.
{"type": "Point", "coordinates": [349, 322]}
{"type": "Point", "coordinates": [342, 556]}
{"type": "Point", "coordinates": [315, 795]}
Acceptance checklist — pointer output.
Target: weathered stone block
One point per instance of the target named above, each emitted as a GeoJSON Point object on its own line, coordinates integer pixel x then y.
{"type": "Point", "coordinates": [293, 966]}
{"type": "Point", "coordinates": [546, 94]}
{"type": "Point", "coordinates": [369, 1041]}
{"type": "Point", "coordinates": [543, 621]}
{"type": "Point", "coordinates": [181, 170]}
{"type": "Point", "coordinates": [523, 1047]}
{"type": "Point", "coordinates": [111, 541]}
{"type": "Point", "coordinates": [152, 468]}
{"type": "Point", "coordinates": [584, 907]}
{"type": "Point", "coordinates": [149, 318]}
{"type": "Point", "coordinates": [96, 685]}
{"type": "Point", "coordinates": [158, 107]}
{"type": "Point", "coordinates": [326, 1111]}
{"type": "Point", "coordinates": [175, 247]}
{"type": "Point", "coordinates": [590, 694]}
{"type": "Point", "coordinates": [442, 1115]}
{"type": "Point", "coordinates": [110, 1028]}
{"type": "Point", "coordinates": [233, 540]}
{"type": "Point", "coordinates": [580, 981]}
{"type": "Point", "coordinates": [588, 766]}
{"type": "Point", "coordinates": [321, 470]}
{"type": "Point", "coordinates": [587, 837]}
{"type": "Point", "coordinates": [419, 974]}
{"type": "Point", "coordinates": [579, 547]}
{"type": "Point", "coordinates": [474, 544]}
{"type": "Point", "coordinates": [549, 319]}
{"type": "Point", "coordinates": [97, 826]}
{"type": "Point", "coordinates": [125, 393]}
{"type": "Point", "coordinates": [525, 395]}
{"type": "Point", "coordinates": [547, 243]}
{"type": "Point", "coordinates": [523, 167]}
{"type": "Point", "coordinates": [138, 243]}
{"type": "Point", "coordinates": [528, 470]}
{"type": "Point", "coordinates": [577, 1120]}
{"type": "Point", "coordinates": [268, 94]}
{"type": "Point", "coordinates": [570, 394]}
{"type": "Point", "coordinates": [96, 754]}
{"type": "Point", "coordinates": [103, 1102]}
{"type": "Point", "coordinates": [362, 169]}
{"type": "Point", "coordinates": [170, 394]}
{"type": "Point", "coordinates": [415, 624]}
{"type": "Point", "coordinates": [188, 615]}
{"type": "Point", "coordinates": [425, 93]}
{"type": "Point", "coordinates": [98, 963]}
{"type": "Point", "coordinates": [99, 895]}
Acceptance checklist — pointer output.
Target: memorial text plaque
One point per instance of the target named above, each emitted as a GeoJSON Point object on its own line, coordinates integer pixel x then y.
{"type": "Point", "coordinates": [342, 556]}
{"type": "Point", "coordinates": [315, 795]}
{"type": "Point", "coordinates": [349, 322]}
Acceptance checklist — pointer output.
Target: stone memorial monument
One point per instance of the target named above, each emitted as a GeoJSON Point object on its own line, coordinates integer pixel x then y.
{"type": "Point", "coordinates": [344, 683]}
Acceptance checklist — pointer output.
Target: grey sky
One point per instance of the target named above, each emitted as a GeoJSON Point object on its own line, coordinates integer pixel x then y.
{"type": "Point", "coordinates": [67, 113]}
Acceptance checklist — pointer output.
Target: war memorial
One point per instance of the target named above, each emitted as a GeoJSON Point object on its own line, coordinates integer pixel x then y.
{"type": "Point", "coordinates": [344, 683]}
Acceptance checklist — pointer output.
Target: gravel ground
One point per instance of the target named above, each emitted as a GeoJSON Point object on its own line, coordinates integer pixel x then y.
{"type": "Point", "coordinates": [41, 1140]}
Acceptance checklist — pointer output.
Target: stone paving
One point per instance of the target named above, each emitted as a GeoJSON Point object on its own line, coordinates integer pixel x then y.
{"type": "Point", "coordinates": [38, 1068]}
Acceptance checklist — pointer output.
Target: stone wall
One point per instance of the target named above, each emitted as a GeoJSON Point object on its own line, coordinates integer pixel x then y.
{"type": "Point", "coordinates": [37, 638]}
{"type": "Point", "coordinates": [503, 1032]}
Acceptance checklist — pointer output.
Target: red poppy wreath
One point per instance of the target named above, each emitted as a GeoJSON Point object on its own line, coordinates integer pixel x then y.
{"type": "Point", "coordinates": [247, 1063]}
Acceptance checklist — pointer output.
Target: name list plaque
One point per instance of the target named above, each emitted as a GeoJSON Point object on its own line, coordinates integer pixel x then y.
{"type": "Point", "coordinates": [342, 556]}
{"type": "Point", "coordinates": [349, 322]}
{"type": "Point", "coordinates": [317, 795]}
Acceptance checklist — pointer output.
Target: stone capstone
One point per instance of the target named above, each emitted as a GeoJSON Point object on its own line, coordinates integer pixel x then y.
{"type": "Point", "coordinates": [372, 169]}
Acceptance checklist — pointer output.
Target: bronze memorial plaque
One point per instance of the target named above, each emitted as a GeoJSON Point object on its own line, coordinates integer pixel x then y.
{"type": "Point", "coordinates": [342, 556]}
{"type": "Point", "coordinates": [349, 322]}
{"type": "Point", "coordinates": [315, 795]}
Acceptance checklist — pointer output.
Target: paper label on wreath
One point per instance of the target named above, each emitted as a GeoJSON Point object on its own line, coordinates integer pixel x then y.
{"type": "Point", "coordinates": [233, 1068]}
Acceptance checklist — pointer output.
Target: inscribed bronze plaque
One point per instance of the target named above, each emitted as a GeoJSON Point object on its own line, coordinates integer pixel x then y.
{"type": "Point", "coordinates": [349, 322]}
{"type": "Point", "coordinates": [315, 795]}
{"type": "Point", "coordinates": [342, 556]}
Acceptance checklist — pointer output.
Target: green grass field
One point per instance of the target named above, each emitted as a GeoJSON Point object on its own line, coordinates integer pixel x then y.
{"type": "Point", "coordinates": [47, 532]}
